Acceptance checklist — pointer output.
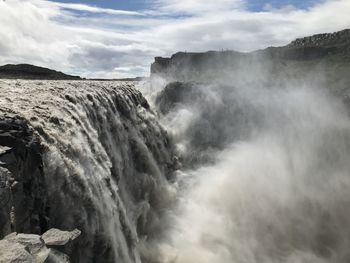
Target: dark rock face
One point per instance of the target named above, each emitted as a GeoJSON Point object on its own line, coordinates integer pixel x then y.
{"type": "Point", "coordinates": [26, 71]}
{"type": "Point", "coordinates": [23, 188]}
{"type": "Point", "coordinates": [177, 93]}
{"type": "Point", "coordinates": [184, 66]}
{"type": "Point", "coordinates": [339, 38]}
{"type": "Point", "coordinates": [221, 116]}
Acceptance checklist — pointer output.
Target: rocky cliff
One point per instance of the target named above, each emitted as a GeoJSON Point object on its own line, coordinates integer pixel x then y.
{"type": "Point", "coordinates": [265, 142]}
{"type": "Point", "coordinates": [210, 85]}
{"type": "Point", "coordinates": [324, 57]}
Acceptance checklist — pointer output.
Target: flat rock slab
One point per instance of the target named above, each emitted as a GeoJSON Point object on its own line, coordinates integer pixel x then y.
{"type": "Point", "coordinates": [30, 248]}
{"type": "Point", "coordinates": [33, 242]}
{"type": "Point", "coordinates": [56, 237]}
{"type": "Point", "coordinates": [14, 253]}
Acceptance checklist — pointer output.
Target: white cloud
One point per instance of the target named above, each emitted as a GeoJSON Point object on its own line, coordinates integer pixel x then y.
{"type": "Point", "coordinates": [197, 6]}
{"type": "Point", "coordinates": [92, 9]}
{"type": "Point", "coordinates": [116, 43]}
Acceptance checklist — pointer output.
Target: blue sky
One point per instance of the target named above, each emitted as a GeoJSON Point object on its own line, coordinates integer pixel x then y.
{"type": "Point", "coordinates": [253, 5]}
{"type": "Point", "coordinates": [258, 5]}
{"type": "Point", "coordinates": [120, 38]}
{"type": "Point", "coordinates": [114, 4]}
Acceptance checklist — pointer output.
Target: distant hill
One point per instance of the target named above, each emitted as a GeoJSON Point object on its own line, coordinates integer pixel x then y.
{"type": "Point", "coordinates": [122, 79]}
{"type": "Point", "coordinates": [26, 71]}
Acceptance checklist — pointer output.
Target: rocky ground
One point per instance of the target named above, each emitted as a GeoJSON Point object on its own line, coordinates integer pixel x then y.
{"type": "Point", "coordinates": [33, 248]}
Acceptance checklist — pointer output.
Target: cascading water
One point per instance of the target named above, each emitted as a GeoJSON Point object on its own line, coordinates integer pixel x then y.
{"type": "Point", "coordinates": [106, 162]}
{"type": "Point", "coordinates": [265, 175]}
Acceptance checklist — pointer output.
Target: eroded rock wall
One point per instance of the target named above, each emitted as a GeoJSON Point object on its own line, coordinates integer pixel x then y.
{"type": "Point", "coordinates": [23, 188]}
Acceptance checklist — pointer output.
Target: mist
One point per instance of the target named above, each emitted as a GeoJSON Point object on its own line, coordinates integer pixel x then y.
{"type": "Point", "coordinates": [265, 170]}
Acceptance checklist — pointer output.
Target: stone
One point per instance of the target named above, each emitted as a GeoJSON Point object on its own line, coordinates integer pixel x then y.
{"type": "Point", "coordinates": [32, 248]}
{"type": "Point", "coordinates": [33, 242]}
{"type": "Point", "coordinates": [22, 182]}
{"type": "Point", "coordinates": [56, 237]}
{"type": "Point", "coordinates": [14, 253]}
{"type": "Point", "coordinates": [56, 256]}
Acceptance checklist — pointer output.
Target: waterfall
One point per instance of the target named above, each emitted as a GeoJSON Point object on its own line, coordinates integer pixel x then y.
{"type": "Point", "coordinates": [264, 175]}
{"type": "Point", "coordinates": [275, 188]}
{"type": "Point", "coordinates": [106, 162]}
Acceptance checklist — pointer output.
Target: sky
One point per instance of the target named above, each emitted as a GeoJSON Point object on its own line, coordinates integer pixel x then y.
{"type": "Point", "coordinates": [120, 38]}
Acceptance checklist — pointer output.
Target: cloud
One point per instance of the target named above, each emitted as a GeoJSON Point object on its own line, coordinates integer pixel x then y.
{"type": "Point", "coordinates": [46, 34]}
{"type": "Point", "coordinates": [197, 6]}
{"type": "Point", "coordinates": [92, 9]}
{"type": "Point", "coordinates": [99, 42]}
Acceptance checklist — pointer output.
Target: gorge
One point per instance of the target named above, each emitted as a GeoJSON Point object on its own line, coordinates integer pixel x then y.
{"type": "Point", "coordinates": [219, 157]}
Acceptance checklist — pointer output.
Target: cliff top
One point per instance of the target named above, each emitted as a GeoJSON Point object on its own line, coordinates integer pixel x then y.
{"type": "Point", "coordinates": [325, 40]}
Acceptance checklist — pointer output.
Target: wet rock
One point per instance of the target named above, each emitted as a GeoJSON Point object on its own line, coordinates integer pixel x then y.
{"type": "Point", "coordinates": [176, 94]}
{"type": "Point", "coordinates": [56, 256]}
{"type": "Point", "coordinates": [22, 182]}
{"type": "Point", "coordinates": [56, 237]}
{"type": "Point", "coordinates": [5, 202]}
{"type": "Point", "coordinates": [33, 242]}
{"type": "Point", "coordinates": [32, 248]}
{"type": "Point", "coordinates": [14, 253]}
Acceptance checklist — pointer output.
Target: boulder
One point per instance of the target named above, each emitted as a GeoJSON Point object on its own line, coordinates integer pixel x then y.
{"type": "Point", "coordinates": [16, 248]}
{"type": "Point", "coordinates": [14, 253]}
{"type": "Point", "coordinates": [56, 237]}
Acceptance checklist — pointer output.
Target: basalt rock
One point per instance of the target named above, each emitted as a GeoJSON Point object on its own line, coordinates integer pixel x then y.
{"type": "Point", "coordinates": [18, 248]}
{"type": "Point", "coordinates": [322, 58]}
{"type": "Point", "coordinates": [23, 188]}
{"type": "Point", "coordinates": [219, 116]}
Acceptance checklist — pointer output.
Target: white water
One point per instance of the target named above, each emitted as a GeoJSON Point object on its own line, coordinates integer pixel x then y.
{"type": "Point", "coordinates": [276, 192]}
{"type": "Point", "coordinates": [281, 194]}
{"type": "Point", "coordinates": [105, 161]}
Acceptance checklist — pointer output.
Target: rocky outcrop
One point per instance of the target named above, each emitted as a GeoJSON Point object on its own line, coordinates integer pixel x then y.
{"type": "Point", "coordinates": [218, 116]}
{"type": "Point", "coordinates": [17, 248]}
{"type": "Point", "coordinates": [56, 237]}
{"type": "Point", "coordinates": [189, 65]}
{"type": "Point", "coordinates": [176, 94]}
{"type": "Point", "coordinates": [23, 190]}
{"type": "Point", "coordinates": [207, 85]}
{"type": "Point", "coordinates": [26, 71]}
{"type": "Point", "coordinates": [339, 38]}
